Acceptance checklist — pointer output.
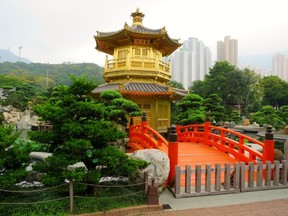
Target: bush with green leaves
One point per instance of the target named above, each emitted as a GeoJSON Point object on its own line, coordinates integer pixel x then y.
{"type": "Point", "coordinates": [14, 157]}
{"type": "Point", "coordinates": [117, 163]}
{"type": "Point", "coordinates": [235, 116]}
{"type": "Point", "coordinates": [283, 112]}
{"type": "Point", "coordinates": [268, 115]}
{"type": "Point", "coordinates": [212, 105]}
{"type": "Point", "coordinates": [82, 124]}
{"type": "Point", "coordinates": [2, 118]}
{"type": "Point", "coordinates": [190, 110]}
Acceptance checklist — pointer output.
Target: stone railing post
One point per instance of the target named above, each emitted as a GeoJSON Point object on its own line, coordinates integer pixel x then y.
{"type": "Point", "coordinates": [106, 63]}
{"type": "Point", "coordinates": [172, 152]}
{"type": "Point", "coordinates": [268, 151]}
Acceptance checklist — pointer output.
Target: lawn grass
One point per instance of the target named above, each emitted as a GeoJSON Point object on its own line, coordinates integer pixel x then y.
{"type": "Point", "coordinates": [56, 202]}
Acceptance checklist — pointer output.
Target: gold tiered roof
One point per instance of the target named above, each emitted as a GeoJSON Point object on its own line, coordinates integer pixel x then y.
{"type": "Point", "coordinates": [137, 69]}
{"type": "Point", "coordinates": [137, 34]}
{"type": "Point", "coordinates": [138, 75]}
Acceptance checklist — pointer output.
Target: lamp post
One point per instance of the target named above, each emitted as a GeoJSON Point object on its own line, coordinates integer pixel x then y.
{"type": "Point", "coordinates": [47, 74]}
{"type": "Point", "coordinates": [20, 48]}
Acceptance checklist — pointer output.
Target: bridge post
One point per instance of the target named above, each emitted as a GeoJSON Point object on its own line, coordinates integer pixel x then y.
{"type": "Point", "coordinates": [172, 152]}
{"type": "Point", "coordinates": [206, 128]}
{"type": "Point", "coordinates": [268, 151]}
{"type": "Point", "coordinates": [144, 122]}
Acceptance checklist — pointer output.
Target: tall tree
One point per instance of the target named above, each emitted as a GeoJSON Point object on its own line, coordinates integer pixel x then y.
{"type": "Point", "coordinates": [214, 108]}
{"type": "Point", "coordinates": [81, 127]}
{"type": "Point", "coordinates": [13, 160]}
{"type": "Point", "coordinates": [190, 110]}
{"type": "Point", "coordinates": [268, 115]}
{"type": "Point", "coordinates": [275, 91]}
{"type": "Point", "coordinates": [176, 84]}
{"type": "Point", "coordinates": [234, 86]}
{"type": "Point", "coordinates": [199, 87]}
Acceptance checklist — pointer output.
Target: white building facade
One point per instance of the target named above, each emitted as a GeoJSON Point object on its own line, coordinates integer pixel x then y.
{"type": "Point", "coordinates": [228, 50]}
{"type": "Point", "coordinates": [191, 62]}
{"type": "Point", "coordinates": [280, 66]}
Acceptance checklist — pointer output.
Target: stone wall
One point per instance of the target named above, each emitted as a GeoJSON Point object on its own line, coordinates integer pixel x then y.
{"type": "Point", "coordinates": [21, 120]}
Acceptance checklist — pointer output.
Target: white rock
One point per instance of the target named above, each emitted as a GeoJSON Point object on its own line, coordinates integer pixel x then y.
{"type": "Point", "coordinates": [43, 155]}
{"type": "Point", "coordinates": [255, 147]}
{"type": "Point", "coordinates": [39, 155]}
{"type": "Point", "coordinates": [77, 165]}
{"type": "Point", "coordinates": [110, 179]}
{"type": "Point", "coordinates": [159, 167]}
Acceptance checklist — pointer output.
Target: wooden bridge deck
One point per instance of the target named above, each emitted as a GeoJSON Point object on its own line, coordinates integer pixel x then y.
{"type": "Point", "coordinates": [200, 154]}
{"type": "Point", "coordinates": [197, 153]}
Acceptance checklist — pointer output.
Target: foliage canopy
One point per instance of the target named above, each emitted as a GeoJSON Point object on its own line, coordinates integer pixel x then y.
{"type": "Point", "coordinates": [190, 110]}
{"type": "Point", "coordinates": [234, 86]}
{"type": "Point", "coordinates": [81, 128]}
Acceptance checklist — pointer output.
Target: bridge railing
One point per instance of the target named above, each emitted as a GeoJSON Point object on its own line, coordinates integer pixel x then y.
{"type": "Point", "coordinates": [237, 144]}
{"type": "Point", "coordinates": [243, 147]}
{"type": "Point", "coordinates": [144, 137]}
{"type": "Point", "coordinates": [217, 179]}
{"type": "Point", "coordinates": [225, 140]}
{"type": "Point", "coordinates": [190, 133]}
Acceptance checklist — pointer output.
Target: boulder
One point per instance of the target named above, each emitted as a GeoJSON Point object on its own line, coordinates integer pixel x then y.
{"type": "Point", "coordinates": [77, 165]}
{"type": "Point", "coordinates": [245, 122]}
{"type": "Point", "coordinates": [25, 184]}
{"type": "Point", "coordinates": [21, 120]}
{"type": "Point", "coordinates": [278, 155]}
{"type": "Point", "coordinates": [255, 147]}
{"type": "Point", "coordinates": [27, 120]}
{"type": "Point", "coordinates": [255, 124]}
{"type": "Point", "coordinates": [39, 156]}
{"type": "Point", "coordinates": [231, 124]}
{"type": "Point", "coordinates": [11, 115]}
{"type": "Point", "coordinates": [159, 166]}
{"type": "Point", "coordinates": [286, 130]}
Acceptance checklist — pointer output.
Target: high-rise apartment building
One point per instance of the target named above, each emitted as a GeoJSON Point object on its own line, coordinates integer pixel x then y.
{"type": "Point", "coordinates": [191, 62]}
{"type": "Point", "coordinates": [280, 66]}
{"type": "Point", "coordinates": [228, 50]}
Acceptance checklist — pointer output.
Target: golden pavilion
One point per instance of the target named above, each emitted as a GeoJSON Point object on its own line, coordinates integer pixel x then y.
{"type": "Point", "coordinates": [138, 71]}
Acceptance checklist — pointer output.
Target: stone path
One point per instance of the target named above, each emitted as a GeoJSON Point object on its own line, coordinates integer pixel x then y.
{"type": "Point", "coordinates": [265, 208]}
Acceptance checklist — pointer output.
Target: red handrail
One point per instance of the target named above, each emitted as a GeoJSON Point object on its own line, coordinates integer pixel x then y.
{"type": "Point", "coordinates": [225, 140]}
{"type": "Point", "coordinates": [221, 138]}
{"type": "Point", "coordinates": [144, 137]}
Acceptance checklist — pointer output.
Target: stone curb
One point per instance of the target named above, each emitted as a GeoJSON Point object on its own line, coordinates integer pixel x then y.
{"type": "Point", "coordinates": [126, 211]}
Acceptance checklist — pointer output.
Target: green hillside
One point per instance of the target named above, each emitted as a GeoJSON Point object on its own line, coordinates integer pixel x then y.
{"type": "Point", "coordinates": [51, 74]}
{"type": "Point", "coordinates": [21, 83]}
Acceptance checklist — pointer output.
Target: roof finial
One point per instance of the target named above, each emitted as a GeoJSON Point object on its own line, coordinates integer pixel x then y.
{"type": "Point", "coordinates": [137, 17]}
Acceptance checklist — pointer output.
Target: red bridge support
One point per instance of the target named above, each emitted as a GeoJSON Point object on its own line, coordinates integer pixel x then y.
{"type": "Point", "coordinates": [172, 152]}
{"type": "Point", "coordinates": [268, 151]}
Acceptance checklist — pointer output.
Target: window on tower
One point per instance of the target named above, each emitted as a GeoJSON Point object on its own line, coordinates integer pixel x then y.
{"type": "Point", "coordinates": [144, 53]}
{"type": "Point", "coordinates": [122, 54]}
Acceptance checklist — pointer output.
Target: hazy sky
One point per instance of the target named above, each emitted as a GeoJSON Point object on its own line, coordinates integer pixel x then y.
{"type": "Point", "coordinates": [58, 31]}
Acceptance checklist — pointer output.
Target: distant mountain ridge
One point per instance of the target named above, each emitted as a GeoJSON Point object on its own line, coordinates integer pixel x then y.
{"type": "Point", "coordinates": [255, 61]}
{"type": "Point", "coordinates": [8, 56]}
{"type": "Point", "coordinates": [51, 74]}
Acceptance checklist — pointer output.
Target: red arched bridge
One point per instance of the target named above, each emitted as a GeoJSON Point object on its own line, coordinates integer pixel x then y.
{"type": "Point", "coordinates": [202, 144]}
